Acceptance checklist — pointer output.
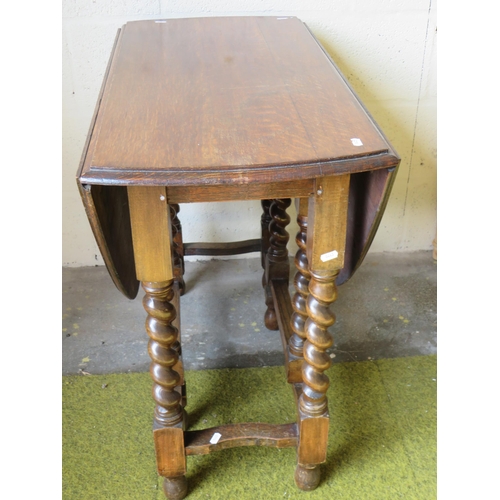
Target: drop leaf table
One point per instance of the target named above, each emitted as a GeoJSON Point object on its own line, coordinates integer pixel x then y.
{"type": "Point", "coordinates": [229, 109]}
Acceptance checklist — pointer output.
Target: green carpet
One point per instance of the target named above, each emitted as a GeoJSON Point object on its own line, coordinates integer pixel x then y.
{"type": "Point", "coordinates": [382, 442]}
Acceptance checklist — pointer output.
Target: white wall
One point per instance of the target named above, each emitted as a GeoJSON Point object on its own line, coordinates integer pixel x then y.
{"type": "Point", "coordinates": [386, 49]}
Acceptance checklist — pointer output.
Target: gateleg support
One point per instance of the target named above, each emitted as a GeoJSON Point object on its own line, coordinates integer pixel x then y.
{"type": "Point", "coordinates": [301, 283]}
{"type": "Point", "coordinates": [178, 247]}
{"type": "Point", "coordinates": [265, 220]}
{"type": "Point", "coordinates": [277, 266]}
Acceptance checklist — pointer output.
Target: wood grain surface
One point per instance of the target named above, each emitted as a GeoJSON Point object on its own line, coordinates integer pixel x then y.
{"type": "Point", "coordinates": [232, 95]}
{"type": "Point", "coordinates": [223, 109]}
{"type": "Point", "coordinates": [246, 434]}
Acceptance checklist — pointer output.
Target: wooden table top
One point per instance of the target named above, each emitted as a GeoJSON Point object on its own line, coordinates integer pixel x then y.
{"type": "Point", "coordinates": [226, 100]}
{"type": "Point", "coordinates": [245, 107]}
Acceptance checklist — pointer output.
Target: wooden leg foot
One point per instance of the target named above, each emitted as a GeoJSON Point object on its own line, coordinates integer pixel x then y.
{"type": "Point", "coordinates": [175, 488]}
{"type": "Point", "coordinates": [270, 318]}
{"type": "Point", "coordinates": [307, 479]}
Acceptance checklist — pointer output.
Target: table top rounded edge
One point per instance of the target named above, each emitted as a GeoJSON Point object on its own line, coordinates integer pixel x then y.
{"type": "Point", "coordinates": [241, 175]}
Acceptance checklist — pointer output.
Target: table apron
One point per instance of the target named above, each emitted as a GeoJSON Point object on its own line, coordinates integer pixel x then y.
{"type": "Point", "coordinates": [255, 191]}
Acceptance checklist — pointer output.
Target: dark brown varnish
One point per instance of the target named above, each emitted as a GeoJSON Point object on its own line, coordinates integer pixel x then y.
{"type": "Point", "coordinates": [233, 248]}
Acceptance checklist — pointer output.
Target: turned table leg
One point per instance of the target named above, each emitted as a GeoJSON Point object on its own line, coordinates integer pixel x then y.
{"type": "Point", "coordinates": [169, 414]}
{"type": "Point", "coordinates": [178, 247]}
{"type": "Point", "coordinates": [152, 224]}
{"type": "Point", "coordinates": [301, 284]}
{"type": "Point", "coordinates": [277, 265]}
{"type": "Point", "coordinates": [265, 220]}
{"type": "Point", "coordinates": [325, 248]}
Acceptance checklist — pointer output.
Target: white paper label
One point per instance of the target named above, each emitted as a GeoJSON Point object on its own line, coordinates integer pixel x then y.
{"type": "Point", "coordinates": [215, 438]}
{"type": "Point", "coordinates": [329, 256]}
{"type": "Point", "coordinates": [356, 142]}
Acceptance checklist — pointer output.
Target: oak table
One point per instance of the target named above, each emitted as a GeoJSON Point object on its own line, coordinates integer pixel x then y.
{"type": "Point", "coordinates": [234, 108]}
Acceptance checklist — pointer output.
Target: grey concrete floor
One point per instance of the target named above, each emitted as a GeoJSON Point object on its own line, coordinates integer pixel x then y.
{"type": "Point", "coordinates": [388, 309]}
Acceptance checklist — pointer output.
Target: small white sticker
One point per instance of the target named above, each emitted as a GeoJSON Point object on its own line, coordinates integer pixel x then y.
{"type": "Point", "coordinates": [329, 256]}
{"type": "Point", "coordinates": [356, 142]}
{"type": "Point", "coordinates": [215, 438]}
{"type": "Point", "coordinates": [160, 21]}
